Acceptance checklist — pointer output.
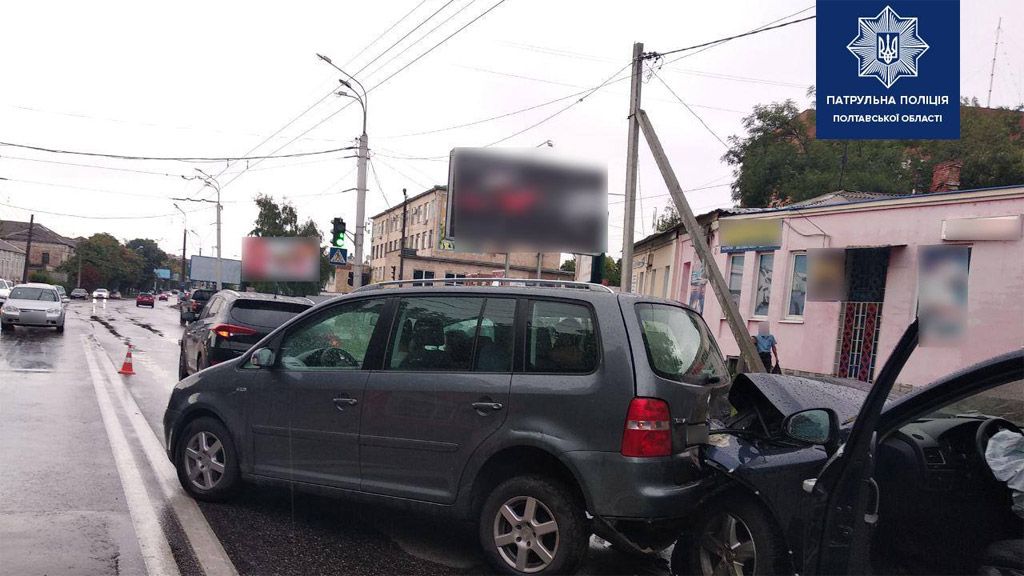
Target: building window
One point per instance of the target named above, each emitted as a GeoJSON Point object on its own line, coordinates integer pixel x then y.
{"type": "Point", "coordinates": [46, 258]}
{"type": "Point", "coordinates": [735, 278]}
{"type": "Point", "coordinates": [653, 282]}
{"type": "Point", "coordinates": [798, 285]}
{"type": "Point", "coordinates": [763, 290]}
{"type": "Point", "coordinates": [422, 275]}
{"type": "Point", "coordinates": [664, 282]}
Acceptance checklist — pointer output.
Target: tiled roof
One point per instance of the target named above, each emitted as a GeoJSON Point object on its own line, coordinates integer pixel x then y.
{"type": "Point", "coordinates": [16, 230]}
{"type": "Point", "coordinates": [8, 247]}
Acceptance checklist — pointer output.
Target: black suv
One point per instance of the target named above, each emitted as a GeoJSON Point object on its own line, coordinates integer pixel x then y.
{"type": "Point", "coordinates": [230, 323]}
{"type": "Point", "coordinates": [541, 413]}
{"type": "Point", "coordinates": [190, 308]}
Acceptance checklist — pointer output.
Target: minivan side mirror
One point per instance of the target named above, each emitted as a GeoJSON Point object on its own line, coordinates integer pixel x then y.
{"type": "Point", "coordinates": [819, 426]}
{"type": "Point", "coordinates": [262, 358]}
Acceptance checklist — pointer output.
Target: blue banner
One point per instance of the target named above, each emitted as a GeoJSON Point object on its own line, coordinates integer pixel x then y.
{"type": "Point", "coordinates": [888, 70]}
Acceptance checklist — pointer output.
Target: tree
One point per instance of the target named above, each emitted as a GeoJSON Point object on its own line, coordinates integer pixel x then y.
{"type": "Point", "coordinates": [667, 219]}
{"type": "Point", "coordinates": [569, 265]}
{"type": "Point", "coordinates": [152, 257]}
{"type": "Point", "coordinates": [282, 221]}
{"type": "Point", "coordinates": [780, 161]}
{"type": "Point", "coordinates": [106, 262]}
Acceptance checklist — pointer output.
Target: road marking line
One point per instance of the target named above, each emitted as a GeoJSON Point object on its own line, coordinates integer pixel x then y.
{"type": "Point", "coordinates": [156, 552]}
{"type": "Point", "coordinates": [207, 547]}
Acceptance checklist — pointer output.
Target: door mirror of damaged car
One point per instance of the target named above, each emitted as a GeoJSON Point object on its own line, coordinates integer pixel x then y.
{"type": "Point", "coordinates": [818, 426]}
{"type": "Point", "coordinates": [262, 358]}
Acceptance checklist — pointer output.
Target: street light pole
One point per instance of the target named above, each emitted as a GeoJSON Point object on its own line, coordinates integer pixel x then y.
{"type": "Point", "coordinates": [212, 183]}
{"type": "Point", "coordinates": [184, 242]}
{"type": "Point", "coordinates": [357, 268]}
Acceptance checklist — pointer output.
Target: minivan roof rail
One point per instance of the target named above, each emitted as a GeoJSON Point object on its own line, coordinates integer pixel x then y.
{"type": "Point", "coordinates": [516, 282]}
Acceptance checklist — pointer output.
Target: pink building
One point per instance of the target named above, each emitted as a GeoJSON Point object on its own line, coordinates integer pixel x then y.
{"type": "Point", "coordinates": [881, 236]}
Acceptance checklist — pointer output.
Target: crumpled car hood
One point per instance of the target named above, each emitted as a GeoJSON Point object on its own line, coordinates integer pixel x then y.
{"type": "Point", "coordinates": [790, 394]}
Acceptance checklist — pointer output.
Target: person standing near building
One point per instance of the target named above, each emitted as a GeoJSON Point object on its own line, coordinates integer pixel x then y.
{"type": "Point", "coordinates": [766, 346]}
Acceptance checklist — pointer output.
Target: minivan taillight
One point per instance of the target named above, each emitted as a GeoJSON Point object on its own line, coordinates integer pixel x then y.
{"type": "Point", "coordinates": [647, 432]}
{"type": "Point", "coordinates": [229, 330]}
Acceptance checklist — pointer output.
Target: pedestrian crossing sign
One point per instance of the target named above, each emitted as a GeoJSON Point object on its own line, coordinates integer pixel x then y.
{"type": "Point", "coordinates": [337, 256]}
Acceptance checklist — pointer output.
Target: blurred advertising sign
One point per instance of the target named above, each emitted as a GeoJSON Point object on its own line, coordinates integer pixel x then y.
{"type": "Point", "coordinates": [826, 275]}
{"type": "Point", "coordinates": [525, 201]}
{"type": "Point", "coordinates": [162, 273]}
{"type": "Point", "coordinates": [990, 228]}
{"type": "Point", "coordinates": [942, 293]}
{"type": "Point", "coordinates": [289, 259]}
{"type": "Point", "coordinates": [204, 268]}
{"type": "Point", "coordinates": [744, 235]}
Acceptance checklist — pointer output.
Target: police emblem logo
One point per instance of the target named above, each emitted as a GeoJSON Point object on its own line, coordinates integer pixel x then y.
{"type": "Point", "coordinates": [887, 47]}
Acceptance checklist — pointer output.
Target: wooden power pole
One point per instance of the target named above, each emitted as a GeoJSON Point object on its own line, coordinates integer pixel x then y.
{"type": "Point", "coordinates": [700, 245]}
{"type": "Point", "coordinates": [632, 150]}
{"type": "Point", "coordinates": [28, 248]}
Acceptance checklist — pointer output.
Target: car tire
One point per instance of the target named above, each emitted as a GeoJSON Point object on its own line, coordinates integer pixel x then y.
{"type": "Point", "coordinates": [206, 461]}
{"type": "Point", "coordinates": [7, 328]}
{"type": "Point", "coordinates": [563, 549]}
{"type": "Point", "coordinates": [741, 525]}
{"type": "Point", "coordinates": [60, 329]}
{"type": "Point", "coordinates": [182, 368]}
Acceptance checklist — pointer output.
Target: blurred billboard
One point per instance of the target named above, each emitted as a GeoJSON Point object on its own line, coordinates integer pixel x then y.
{"type": "Point", "coordinates": [204, 268]}
{"type": "Point", "coordinates": [744, 235]}
{"type": "Point", "coordinates": [290, 259]}
{"type": "Point", "coordinates": [525, 201]}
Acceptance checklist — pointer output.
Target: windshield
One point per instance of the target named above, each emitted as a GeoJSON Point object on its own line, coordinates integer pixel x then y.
{"type": "Point", "coordinates": [26, 293]}
{"type": "Point", "coordinates": [1006, 401]}
{"type": "Point", "coordinates": [678, 344]}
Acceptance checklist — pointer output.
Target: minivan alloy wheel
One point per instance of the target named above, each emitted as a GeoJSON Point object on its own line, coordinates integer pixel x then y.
{"type": "Point", "coordinates": [204, 460]}
{"type": "Point", "coordinates": [727, 547]}
{"type": "Point", "coordinates": [526, 534]}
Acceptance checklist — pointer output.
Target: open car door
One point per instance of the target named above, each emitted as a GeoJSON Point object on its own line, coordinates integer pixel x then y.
{"type": "Point", "coordinates": [843, 508]}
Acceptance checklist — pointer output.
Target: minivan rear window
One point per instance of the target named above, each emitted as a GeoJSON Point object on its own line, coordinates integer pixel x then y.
{"type": "Point", "coordinates": [679, 346]}
{"type": "Point", "coordinates": [266, 313]}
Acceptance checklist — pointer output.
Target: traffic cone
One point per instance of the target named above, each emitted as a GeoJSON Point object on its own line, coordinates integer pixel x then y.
{"type": "Point", "coordinates": [126, 366]}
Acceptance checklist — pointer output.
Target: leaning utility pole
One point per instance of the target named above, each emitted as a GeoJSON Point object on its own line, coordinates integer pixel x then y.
{"type": "Point", "coordinates": [28, 248]}
{"type": "Point", "coordinates": [632, 150]}
{"type": "Point", "coordinates": [992, 75]}
{"type": "Point", "coordinates": [700, 245]}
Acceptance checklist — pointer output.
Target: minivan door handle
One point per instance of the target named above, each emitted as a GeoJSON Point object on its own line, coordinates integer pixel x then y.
{"type": "Point", "coordinates": [481, 406]}
{"type": "Point", "coordinates": [341, 403]}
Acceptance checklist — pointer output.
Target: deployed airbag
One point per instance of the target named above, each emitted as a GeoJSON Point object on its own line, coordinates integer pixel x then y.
{"type": "Point", "coordinates": [1005, 456]}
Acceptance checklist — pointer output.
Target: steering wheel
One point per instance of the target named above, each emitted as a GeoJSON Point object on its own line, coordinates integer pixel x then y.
{"type": "Point", "coordinates": [987, 430]}
{"type": "Point", "coordinates": [331, 357]}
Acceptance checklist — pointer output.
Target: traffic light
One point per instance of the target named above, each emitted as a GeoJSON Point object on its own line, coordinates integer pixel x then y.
{"type": "Point", "coordinates": [338, 233]}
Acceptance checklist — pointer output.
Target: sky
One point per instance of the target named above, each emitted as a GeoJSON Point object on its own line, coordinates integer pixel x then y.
{"type": "Point", "coordinates": [193, 79]}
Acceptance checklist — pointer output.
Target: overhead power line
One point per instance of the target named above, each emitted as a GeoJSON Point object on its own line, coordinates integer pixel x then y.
{"type": "Point", "coordinates": [650, 55]}
{"type": "Point", "coordinates": [421, 38]}
{"type": "Point", "coordinates": [384, 33]}
{"type": "Point", "coordinates": [84, 217]}
{"type": "Point", "coordinates": [375, 86]}
{"type": "Point", "coordinates": [404, 36]}
{"type": "Point", "coordinates": [687, 106]}
{"type": "Point", "coordinates": [174, 158]}
{"type": "Point", "coordinates": [376, 178]}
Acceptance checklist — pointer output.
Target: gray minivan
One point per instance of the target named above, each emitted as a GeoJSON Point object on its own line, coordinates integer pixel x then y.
{"type": "Point", "coordinates": [543, 413]}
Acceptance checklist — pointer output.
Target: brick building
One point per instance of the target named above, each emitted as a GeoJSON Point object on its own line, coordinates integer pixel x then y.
{"type": "Point", "coordinates": [49, 249]}
{"type": "Point", "coordinates": [427, 255]}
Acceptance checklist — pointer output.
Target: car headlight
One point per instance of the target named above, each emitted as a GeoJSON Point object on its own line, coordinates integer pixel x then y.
{"type": "Point", "coordinates": [10, 309]}
{"type": "Point", "coordinates": [52, 311]}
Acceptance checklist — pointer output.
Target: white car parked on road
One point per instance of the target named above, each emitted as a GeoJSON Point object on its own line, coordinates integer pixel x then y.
{"type": "Point", "coordinates": [32, 304]}
{"type": "Point", "coordinates": [100, 293]}
{"type": "Point", "coordinates": [5, 289]}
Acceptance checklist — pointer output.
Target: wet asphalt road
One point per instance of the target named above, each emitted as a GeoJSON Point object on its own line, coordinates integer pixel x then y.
{"type": "Point", "coordinates": [65, 509]}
